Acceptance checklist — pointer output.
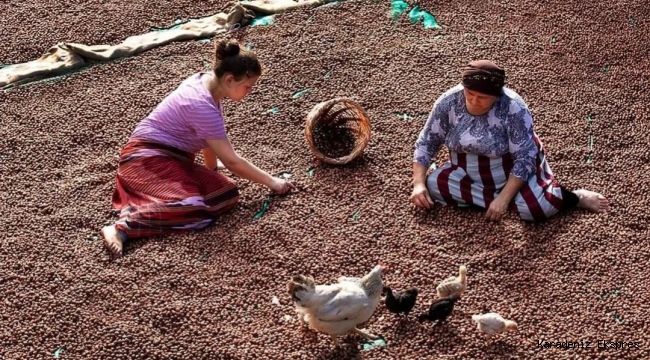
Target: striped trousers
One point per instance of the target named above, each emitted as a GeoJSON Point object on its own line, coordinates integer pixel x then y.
{"type": "Point", "coordinates": [161, 190]}
{"type": "Point", "coordinates": [469, 179]}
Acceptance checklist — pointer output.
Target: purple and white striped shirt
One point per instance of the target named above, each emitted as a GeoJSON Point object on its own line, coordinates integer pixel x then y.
{"type": "Point", "coordinates": [186, 118]}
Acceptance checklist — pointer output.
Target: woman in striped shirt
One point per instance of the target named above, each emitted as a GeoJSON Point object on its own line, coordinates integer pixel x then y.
{"type": "Point", "coordinates": [160, 189]}
{"type": "Point", "coordinates": [497, 161]}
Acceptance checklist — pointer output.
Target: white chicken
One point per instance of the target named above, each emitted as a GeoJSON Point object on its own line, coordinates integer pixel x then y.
{"type": "Point", "coordinates": [493, 323]}
{"type": "Point", "coordinates": [454, 285]}
{"type": "Point", "coordinates": [337, 309]}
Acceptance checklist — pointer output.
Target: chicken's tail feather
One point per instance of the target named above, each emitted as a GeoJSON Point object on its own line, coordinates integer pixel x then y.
{"type": "Point", "coordinates": [300, 284]}
{"type": "Point", "coordinates": [462, 272]}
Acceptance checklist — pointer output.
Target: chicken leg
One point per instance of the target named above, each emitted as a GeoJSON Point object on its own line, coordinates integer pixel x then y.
{"type": "Point", "coordinates": [365, 334]}
{"type": "Point", "coordinates": [487, 339]}
{"type": "Point", "coordinates": [301, 319]}
{"type": "Point", "coordinates": [337, 343]}
{"type": "Point", "coordinates": [335, 340]}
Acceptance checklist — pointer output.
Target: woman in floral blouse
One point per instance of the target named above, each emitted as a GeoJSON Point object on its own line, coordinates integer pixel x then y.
{"type": "Point", "coordinates": [497, 160]}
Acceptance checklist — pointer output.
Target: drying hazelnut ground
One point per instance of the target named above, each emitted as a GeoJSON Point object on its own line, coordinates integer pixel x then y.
{"type": "Point", "coordinates": [208, 295]}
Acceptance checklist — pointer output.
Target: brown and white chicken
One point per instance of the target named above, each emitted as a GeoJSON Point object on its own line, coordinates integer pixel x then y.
{"type": "Point", "coordinates": [453, 286]}
{"type": "Point", "coordinates": [337, 309]}
{"type": "Point", "coordinates": [492, 323]}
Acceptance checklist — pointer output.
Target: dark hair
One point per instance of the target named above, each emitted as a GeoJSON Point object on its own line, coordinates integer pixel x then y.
{"type": "Point", "coordinates": [485, 77]}
{"type": "Point", "coordinates": [231, 58]}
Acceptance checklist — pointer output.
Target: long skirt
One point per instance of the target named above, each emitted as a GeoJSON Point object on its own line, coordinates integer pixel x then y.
{"type": "Point", "coordinates": [469, 179]}
{"type": "Point", "coordinates": [161, 190]}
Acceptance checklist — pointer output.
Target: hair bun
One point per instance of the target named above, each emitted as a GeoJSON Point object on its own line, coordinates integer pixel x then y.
{"type": "Point", "coordinates": [227, 48]}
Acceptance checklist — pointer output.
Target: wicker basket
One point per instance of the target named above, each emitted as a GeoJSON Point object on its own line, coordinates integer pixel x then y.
{"type": "Point", "coordinates": [338, 112]}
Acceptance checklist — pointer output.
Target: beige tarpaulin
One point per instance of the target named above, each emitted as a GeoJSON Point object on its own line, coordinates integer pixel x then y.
{"type": "Point", "coordinates": [63, 57]}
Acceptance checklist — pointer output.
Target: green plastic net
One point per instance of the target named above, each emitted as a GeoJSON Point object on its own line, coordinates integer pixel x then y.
{"type": "Point", "coordinates": [428, 20]}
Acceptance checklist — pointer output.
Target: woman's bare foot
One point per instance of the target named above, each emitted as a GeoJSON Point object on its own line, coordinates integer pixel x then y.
{"type": "Point", "coordinates": [112, 240]}
{"type": "Point", "coordinates": [592, 201]}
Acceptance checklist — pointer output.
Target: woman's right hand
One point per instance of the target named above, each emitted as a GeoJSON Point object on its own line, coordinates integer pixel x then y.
{"type": "Point", "coordinates": [243, 168]}
{"type": "Point", "coordinates": [281, 186]}
{"type": "Point", "coordinates": [420, 197]}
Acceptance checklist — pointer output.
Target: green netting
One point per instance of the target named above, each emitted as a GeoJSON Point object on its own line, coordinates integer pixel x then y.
{"type": "Point", "coordinates": [397, 7]}
{"type": "Point", "coordinates": [265, 206]}
{"type": "Point", "coordinates": [405, 116]}
{"type": "Point", "coordinates": [428, 20]}
{"type": "Point", "coordinates": [372, 344]}
{"type": "Point", "coordinates": [273, 110]}
{"type": "Point", "coordinates": [632, 21]}
{"type": "Point", "coordinates": [299, 93]}
{"type": "Point", "coordinates": [262, 21]}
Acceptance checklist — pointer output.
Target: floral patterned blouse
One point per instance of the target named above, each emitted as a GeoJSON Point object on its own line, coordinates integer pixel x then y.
{"type": "Point", "coordinates": [506, 128]}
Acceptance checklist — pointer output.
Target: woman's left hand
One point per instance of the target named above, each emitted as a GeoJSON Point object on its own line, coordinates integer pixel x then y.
{"type": "Point", "coordinates": [497, 209]}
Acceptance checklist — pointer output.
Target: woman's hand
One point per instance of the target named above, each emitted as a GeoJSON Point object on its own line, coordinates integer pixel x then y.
{"type": "Point", "coordinates": [281, 186]}
{"type": "Point", "coordinates": [420, 197]}
{"type": "Point", "coordinates": [497, 209]}
{"type": "Point", "coordinates": [243, 168]}
{"type": "Point", "coordinates": [499, 206]}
